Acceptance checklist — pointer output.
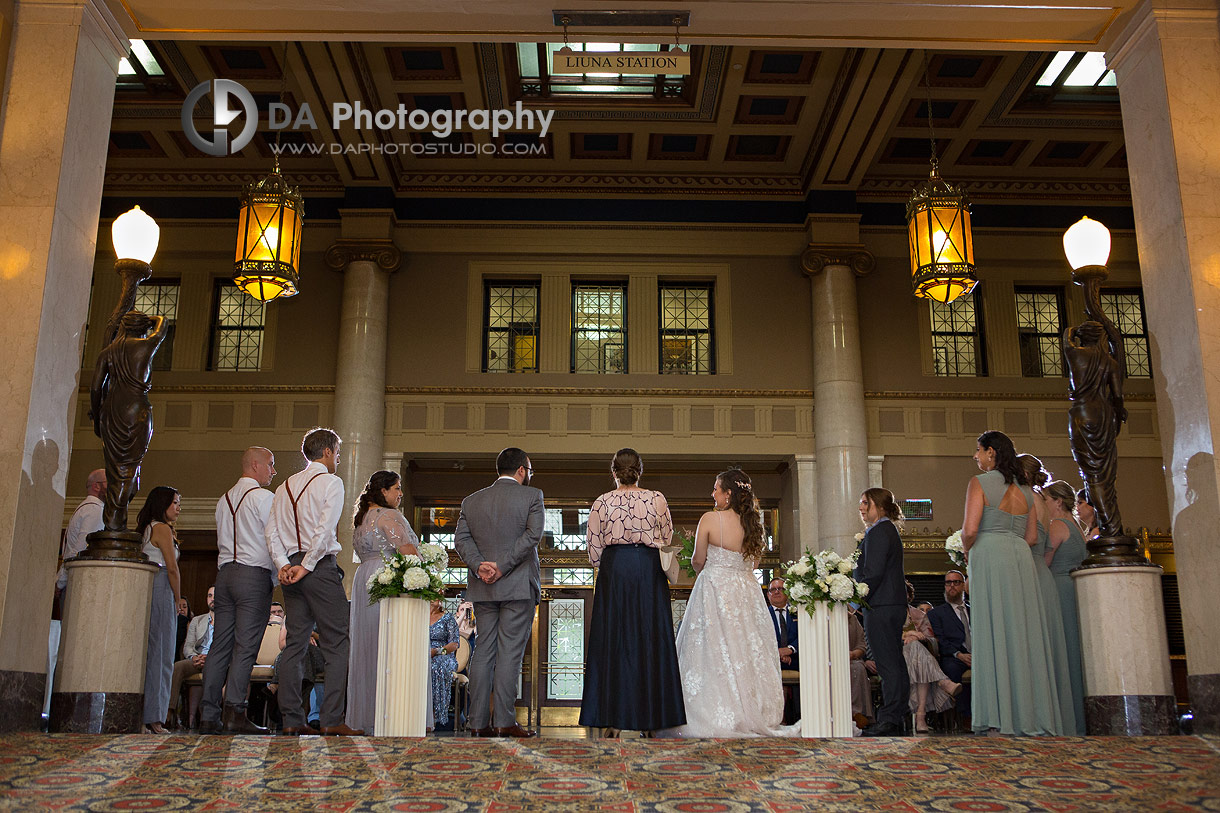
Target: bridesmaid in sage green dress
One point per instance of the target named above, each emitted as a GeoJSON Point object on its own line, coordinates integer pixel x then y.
{"type": "Point", "coordinates": [1065, 552]}
{"type": "Point", "coordinates": [1056, 625]}
{"type": "Point", "coordinates": [1014, 685]}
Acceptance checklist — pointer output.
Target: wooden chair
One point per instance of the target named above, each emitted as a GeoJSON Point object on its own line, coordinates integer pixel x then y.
{"type": "Point", "coordinates": [460, 683]}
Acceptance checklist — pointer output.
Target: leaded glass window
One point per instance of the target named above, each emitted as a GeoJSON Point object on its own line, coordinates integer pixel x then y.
{"type": "Point", "coordinates": [455, 575]}
{"type": "Point", "coordinates": [565, 648]}
{"type": "Point", "coordinates": [1126, 310]}
{"type": "Point", "coordinates": [677, 609]}
{"type": "Point", "coordinates": [160, 298]}
{"type": "Point", "coordinates": [686, 330]}
{"type": "Point", "coordinates": [599, 328]}
{"type": "Point", "coordinates": [555, 535]}
{"type": "Point", "coordinates": [957, 337]}
{"type": "Point", "coordinates": [1040, 330]}
{"type": "Point", "coordinates": [511, 323]}
{"type": "Point", "coordinates": [572, 576]}
{"type": "Point", "coordinates": [237, 329]}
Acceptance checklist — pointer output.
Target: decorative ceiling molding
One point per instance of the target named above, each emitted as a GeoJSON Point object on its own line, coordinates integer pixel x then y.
{"type": "Point", "coordinates": [987, 189]}
{"type": "Point", "coordinates": [703, 184]}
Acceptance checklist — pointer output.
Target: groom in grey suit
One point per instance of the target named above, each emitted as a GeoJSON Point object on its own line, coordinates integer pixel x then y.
{"type": "Point", "coordinates": [497, 537]}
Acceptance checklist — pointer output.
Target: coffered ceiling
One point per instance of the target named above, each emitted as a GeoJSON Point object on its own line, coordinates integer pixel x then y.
{"type": "Point", "coordinates": [752, 122]}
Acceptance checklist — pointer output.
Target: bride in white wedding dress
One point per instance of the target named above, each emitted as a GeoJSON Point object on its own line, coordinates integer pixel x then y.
{"type": "Point", "coordinates": [727, 654]}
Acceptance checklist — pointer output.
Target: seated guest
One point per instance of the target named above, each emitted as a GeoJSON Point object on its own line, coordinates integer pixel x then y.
{"type": "Point", "coordinates": [783, 618]}
{"type": "Point", "coordinates": [443, 637]}
{"type": "Point", "coordinates": [195, 650]}
{"type": "Point", "coordinates": [951, 625]}
{"type": "Point", "coordinates": [861, 690]}
{"type": "Point", "coordinates": [277, 614]}
{"type": "Point", "coordinates": [932, 688]}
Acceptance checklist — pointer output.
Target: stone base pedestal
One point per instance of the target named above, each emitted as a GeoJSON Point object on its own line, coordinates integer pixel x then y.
{"type": "Point", "coordinates": [402, 668]}
{"type": "Point", "coordinates": [1128, 688]}
{"type": "Point", "coordinates": [99, 683]}
{"type": "Point", "coordinates": [22, 696]}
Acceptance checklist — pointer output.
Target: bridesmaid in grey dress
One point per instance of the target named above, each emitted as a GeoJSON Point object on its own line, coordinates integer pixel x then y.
{"type": "Point", "coordinates": [1014, 686]}
{"type": "Point", "coordinates": [1065, 552]}
{"type": "Point", "coordinates": [379, 527]}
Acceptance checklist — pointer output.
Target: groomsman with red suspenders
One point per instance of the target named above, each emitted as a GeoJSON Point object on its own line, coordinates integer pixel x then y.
{"type": "Point", "coordinates": [244, 582]}
{"type": "Point", "coordinates": [303, 544]}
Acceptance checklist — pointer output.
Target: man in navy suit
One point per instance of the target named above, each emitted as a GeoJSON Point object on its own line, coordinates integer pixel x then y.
{"type": "Point", "coordinates": [951, 624]}
{"type": "Point", "coordinates": [784, 621]}
{"type": "Point", "coordinates": [783, 618]}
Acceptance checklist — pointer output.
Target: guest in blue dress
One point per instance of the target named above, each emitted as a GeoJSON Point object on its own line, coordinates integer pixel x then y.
{"type": "Point", "coordinates": [443, 635]}
{"type": "Point", "coordinates": [1015, 687]}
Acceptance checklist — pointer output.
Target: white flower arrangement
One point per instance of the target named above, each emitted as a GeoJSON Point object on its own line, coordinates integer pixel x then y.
{"type": "Point", "coordinates": [405, 574]}
{"type": "Point", "coordinates": [824, 576]}
{"type": "Point", "coordinates": [953, 547]}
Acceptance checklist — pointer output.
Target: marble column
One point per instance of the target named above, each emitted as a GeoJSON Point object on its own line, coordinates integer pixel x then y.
{"type": "Point", "coordinates": [359, 415]}
{"type": "Point", "coordinates": [62, 63]}
{"type": "Point", "coordinates": [839, 426]}
{"type": "Point", "coordinates": [1167, 61]}
{"type": "Point", "coordinates": [1127, 686]}
{"type": "Point", "coordinates": [804, 505]}
{"type": "Point", "coordinates": [99, 685]}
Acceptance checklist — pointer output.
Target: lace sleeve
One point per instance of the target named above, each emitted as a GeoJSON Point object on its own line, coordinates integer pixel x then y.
{"type": "Point", "coordinates": [663, 531]}
{"type": "Point", "coordinates": [397, 532]}
{"type": "Point", "coordinates": [451, 629]}
{"type": "Point", "coordinates": [596, 534]}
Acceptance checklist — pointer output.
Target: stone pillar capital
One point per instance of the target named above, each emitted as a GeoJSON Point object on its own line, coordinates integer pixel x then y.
{"type": "Point", "coordinates": [382, 252]}
{"type": "Point", "coordinates": [817, 256]}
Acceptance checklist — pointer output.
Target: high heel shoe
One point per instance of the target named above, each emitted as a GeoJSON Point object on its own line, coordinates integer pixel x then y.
{"type": "Point", "coordinates": [611, 733]}
{"type": "Point", "coordinates": [950, 688]}
{"type": "Point", "coordinates": [156, 728]}
{"type": "Point", "coordinates": [921, 723]}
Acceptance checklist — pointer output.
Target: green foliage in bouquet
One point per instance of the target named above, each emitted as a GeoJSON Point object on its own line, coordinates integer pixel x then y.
{"type": "Point", "coordinates": [687, 542]}
{"type": "Point", "coordinates": [410, 575]}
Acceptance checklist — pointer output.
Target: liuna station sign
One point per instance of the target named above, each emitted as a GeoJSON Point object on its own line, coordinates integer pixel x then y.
{"type": "Point", "coordinates": [674, 61]}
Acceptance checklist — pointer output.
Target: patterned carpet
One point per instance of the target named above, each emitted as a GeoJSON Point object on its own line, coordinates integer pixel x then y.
{"type": "Point", "coordinates": [145, 772]}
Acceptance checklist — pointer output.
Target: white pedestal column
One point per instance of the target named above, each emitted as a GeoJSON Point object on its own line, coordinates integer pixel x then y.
{"type": "Point", "coordinates": [1168, 65]}
{"type": "Point", "coordinates": [99, 683]}
{"type": "Point", "coordinates": [360, 372]}
{"type": "Point", "coordinates": [1127, 685]}
{"type": "Point", "coordinates": [839, 423]}
{"type": "Point", "coordinates": [58, 96]}
{"type": "Point", "coordinates": [825, 672]}
{"type": "Point", "coordinates": [402, 668]}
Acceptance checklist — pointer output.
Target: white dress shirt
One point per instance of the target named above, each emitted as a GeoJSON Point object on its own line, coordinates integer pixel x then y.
{"type": "Point", "coordinates": [319, 506]}
{"type": "Point", "coordinates": [253, 505]}
{"type": "Point", "coordinates": [86, 520]}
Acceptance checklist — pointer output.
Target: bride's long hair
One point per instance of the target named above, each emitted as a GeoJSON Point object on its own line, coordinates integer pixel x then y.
{"type": "Point", "coordinates": [743, 502]}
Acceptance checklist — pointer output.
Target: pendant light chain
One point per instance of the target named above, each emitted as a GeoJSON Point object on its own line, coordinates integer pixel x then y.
{"type": "Point", "coordinates": [927, 86]}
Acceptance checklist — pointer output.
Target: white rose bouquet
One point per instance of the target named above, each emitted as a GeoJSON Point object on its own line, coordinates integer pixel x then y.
{"type": "Point", "coordinates": [953, 547]}
{"type": "Point", "coordinates": [823, 576]}
{"type": "Point", "coordinates": [405, 574]}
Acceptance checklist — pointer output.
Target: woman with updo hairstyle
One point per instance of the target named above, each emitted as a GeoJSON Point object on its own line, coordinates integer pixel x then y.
{"type": "Point", "coordinates": [726, 645]}
{"type": "Point", "coordinates": [631, 670]}
{"type": "Point", "coordinates": [379, 527]}
{"type": "Point", "coordinates": [1086, 514]}
{"type": "Point", "coordinates": [1038, 477]}
{"type": "Point", "coordinates": [1015, 683]}
{"type": "Point", "coordinates": [1065, 552]}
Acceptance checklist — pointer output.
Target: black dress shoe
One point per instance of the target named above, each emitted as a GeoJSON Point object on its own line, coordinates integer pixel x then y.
{"type": "Point", "coordinates": [209, 727]}
{"type": "Point", "coordinates": [483, 732]}
{"type": "Point", "coordinates": [883, 730]}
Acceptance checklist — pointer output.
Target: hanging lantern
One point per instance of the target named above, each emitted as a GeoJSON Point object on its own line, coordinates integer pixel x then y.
{"type": "Point", "coordinates": [269, 238]}
{"type": "Point", "coordinates": [942, 247]}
